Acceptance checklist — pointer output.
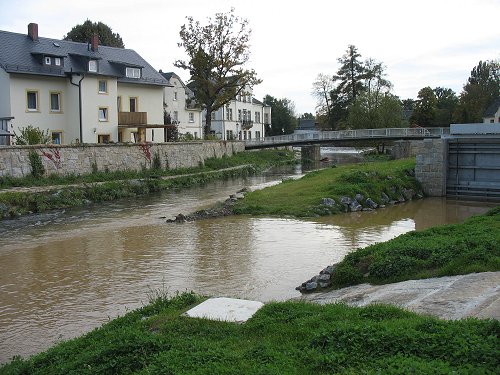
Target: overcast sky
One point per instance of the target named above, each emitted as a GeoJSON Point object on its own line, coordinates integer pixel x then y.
{"type": "Point", "coordinates": [422, 43]}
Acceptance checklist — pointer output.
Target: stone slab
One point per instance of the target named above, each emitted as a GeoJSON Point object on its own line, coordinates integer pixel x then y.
{"type": "Point", "coordinates": [225, 309]}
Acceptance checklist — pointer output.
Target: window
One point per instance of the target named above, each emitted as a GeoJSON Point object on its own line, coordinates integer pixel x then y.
{"type": "Point", "coordinates": [212, 116]}
{"type": "Point", "coordinates": [266, 118]}
{"type": "Point", "coordinates": [244, 115]}
{"type": "Point", "coordinates": [249, 134]}
{"type": "Point", "coordinates": [133, 104]}
{"type": "Point", "coordinates": [55, 102]}
{"type": "Point", "coordinates": [257, 134]}
{"type": "Point", "coordinates": [257, 117]}
{"type": "Point", "coordinates": [133, 72]}
{"type": "Point", "coordinates": [175, 116]}
{"type": "Point", "coordinates": [103, 114]}
{"type": "Point", "coordinates": [103, 86]}
{"type": "Point", "coordinates": [93, 66]}
{"type": "Point", "coordinates": [57, 61]}
{"type": "Point", "coordinates": [103, 138]}
{"type": "Point", "coordinates": [195, 135]}
{"type": "Point", "coordinates": [175, 95]}
{"type": "Point", "coordinates": [32, 101]}
{"type": "Point", "coordinates": [191, 117]}
{"type": "Point", "coordinates": [48, 60]}
{"type": "Point", "coordinates": [230, 114]}
{"type": "Point", "coordinates": [239, 114]}
{"type": "Point", "coordinates": [119, 103]}
{"type": "Point", "coordinates": [492, 121]}
{"type": "Point", "coordinates": [56, 138]}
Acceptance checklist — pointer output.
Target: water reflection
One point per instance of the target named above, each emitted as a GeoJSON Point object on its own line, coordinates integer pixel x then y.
{"type": "Point", "coordinates": [69, 274]}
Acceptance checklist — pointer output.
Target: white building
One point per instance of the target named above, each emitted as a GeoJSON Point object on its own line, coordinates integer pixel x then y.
{"type": "Point", "coordinates": [242, 118]}
{"type": "Point", "coordinates": [180, 109]}
{"type": "Point", "coordinates": [492, 113]}
{"type": "Point", "coordinates": [80, 92]}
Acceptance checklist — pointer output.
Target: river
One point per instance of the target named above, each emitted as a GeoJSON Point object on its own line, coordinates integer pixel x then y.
{"type": "Point", "coordinates": [67, 272]}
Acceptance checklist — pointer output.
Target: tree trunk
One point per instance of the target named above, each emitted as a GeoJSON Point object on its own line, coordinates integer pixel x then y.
{"type": "Point", "coordinates": [208, 123]}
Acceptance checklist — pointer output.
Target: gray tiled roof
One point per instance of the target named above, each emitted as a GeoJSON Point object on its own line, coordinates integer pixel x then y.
{"type": "Point", "coordinates": [492, 109]}
{"type": "Point", "coordinates": [20, 54]}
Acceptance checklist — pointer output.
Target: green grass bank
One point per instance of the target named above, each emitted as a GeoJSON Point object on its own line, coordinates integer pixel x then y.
{"type": "Point", "coordinates": [282, 338]}
{"type": "Point", "coordinates": [102, 186]}
{"type": "Point", "coordinates": [457, 249]}
{"type": "Point", "coordinates": [303, 197]}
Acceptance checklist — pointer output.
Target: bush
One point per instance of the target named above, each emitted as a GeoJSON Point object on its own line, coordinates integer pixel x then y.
{"type": "Point", "coordinates": [31, 135]}
{"type": "Point", "coordinates": [37, 168]}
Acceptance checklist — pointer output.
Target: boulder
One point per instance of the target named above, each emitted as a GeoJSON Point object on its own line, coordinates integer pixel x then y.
{"type": "Point", "coordinates": [371, 203]}
{"type": "Point", "coordinates": [324, 277]}
{"type": "Point", "coordinates": [355, 206]}
{"type": "Point", "coordinates": [345, 200]}
{"type": "Point", "coordinates": [311, 286]}
{"type": "Point", "coordinates": [359, 197]}
{"type": "Point", "coordinates": [409, 194]}
{"type": "Point", "coordinates": [329, 202]}
{"type": "Point", "coordinates": [384, 198]}
{"type": "Point", "coordinates": [329, 270]}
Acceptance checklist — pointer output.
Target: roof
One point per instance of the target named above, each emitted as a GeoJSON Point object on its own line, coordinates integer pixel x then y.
{"type": "Point", "coordinates": [20, 54]}
{"type": "Point", "coordinates": [492, 109]}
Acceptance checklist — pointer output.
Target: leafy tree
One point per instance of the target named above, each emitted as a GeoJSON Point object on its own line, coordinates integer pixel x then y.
{"type": "Point", "coordinates": [217, 53]}
{"type": "Point", "coordinates": [31, 135]}
{"type": "Point", "coordinates": [447, 102]}
{"type": "Point", "coordinates": [83, 33]}
{"type": "Point", "coordinates": [425, 109]}
{"type": "Point", "coordinates": [350, 75]}
{"type": "Point", "coordinates": [283, 120]}
{"type": "Point", "coordinates": [322, 90]}
{"type": "Point", "coordinates": [307, 116]}
{"type": "Point", "coordinates": [372, 110]}
{"type": "Point", "coordinates": [481, 89]}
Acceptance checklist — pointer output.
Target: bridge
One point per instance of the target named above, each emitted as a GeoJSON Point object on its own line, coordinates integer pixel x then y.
{"type": "Point", "coordinates": [339, 136]}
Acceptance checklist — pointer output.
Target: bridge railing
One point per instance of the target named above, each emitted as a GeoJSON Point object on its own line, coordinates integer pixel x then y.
{"type": "Point", "coordinates": [349, 134]}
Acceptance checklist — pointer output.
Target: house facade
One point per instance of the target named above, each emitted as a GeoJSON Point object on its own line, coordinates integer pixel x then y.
{"type": "Point", "coordinates": [180, 109]}
{"type": "Point", "coordinates": [492, 113]}
{"type": "Point", "coordinates": [242, 118]}
{"type": "Point", "coordinates": [79, 92]}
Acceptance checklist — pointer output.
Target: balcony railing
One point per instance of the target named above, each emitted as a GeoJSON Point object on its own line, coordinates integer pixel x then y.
{"type": "Point", "coordinates": [246, 124]}
{"type": "Point", "coordinates": [132, 118]}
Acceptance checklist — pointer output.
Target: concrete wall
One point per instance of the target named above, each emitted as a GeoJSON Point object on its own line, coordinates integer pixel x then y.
{"type": "Point", "coordinates": [65, 160]}
{"type": "Point", "coordinates": [405, 149]}
{"type": "Point", "coordinates": [430, 169]}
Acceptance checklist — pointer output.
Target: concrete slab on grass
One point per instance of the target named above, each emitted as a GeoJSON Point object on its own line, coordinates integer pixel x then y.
{"type": "Point", "coordinates": [225, 309]}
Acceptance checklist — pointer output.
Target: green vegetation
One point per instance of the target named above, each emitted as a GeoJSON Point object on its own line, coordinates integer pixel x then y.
{"type": "Point", "coordinates": [458, 249]}
{"type": "Point", "coordinates": [281, 338]}
{"type": "Point", "coordinates": [127, 184]}
{"type": "Point", "coordinates": [31, 135]}
{"type": "Point", "coordinates": [303, 197]}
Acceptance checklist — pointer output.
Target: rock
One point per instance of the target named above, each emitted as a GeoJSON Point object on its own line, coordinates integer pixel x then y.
{"type": "Point", "coordinates": [345, 200]}
{"type": "Point", "coordinates": [393, 189]}
{"type": "Point", "coordinates": [367, 209]}
{"type": "Point", "coordinates": [325, 285]}
{"type": "Point", "coordinates": [329, 270]}
{"type": "Point", "coordinates": [359, 197]}
{"type": "Point", "coordinates": [371, 203]}
{"type": "Point", "coordinates": [311, 286]}
{"type": "Point", "coordinates": [409, 194]}
{"type": "Point", "coordinates": [4, 210]}
{"type": "Point", "coordinates": [355, 206]}
{"type": "Point", "coordinates": [324, 277]}
{"type": "Point", "coordinates": [239, 196]}
{"type": "Point", "coordinates": [401, 199]}
{"type": "Point", "coordinates": [384, 198]}
{"type": "Point", "coordinates": [381, 206]}
{"type": "Point", "coordinates": [329, 202]}
{"type": "Point", "coordinates": [244, 190]}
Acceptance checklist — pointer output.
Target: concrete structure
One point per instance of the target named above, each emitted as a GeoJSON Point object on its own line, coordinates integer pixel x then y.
{"type": "Point", "coordinates": [80, 92]}
{"type": "Point", "coordinates": [225, 309]}
{"type": "Point", "coordinates": [65, 160]}
{"type": "Point", "coordinates": [430, 168]}
{"type": "Point", "coordinates": [180, 109]}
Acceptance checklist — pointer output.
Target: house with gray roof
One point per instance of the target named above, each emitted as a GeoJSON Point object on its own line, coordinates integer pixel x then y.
{"type": "Point", "coordinates": [80, 92]}
{"type": "Point", "coordinates": [492, 113]}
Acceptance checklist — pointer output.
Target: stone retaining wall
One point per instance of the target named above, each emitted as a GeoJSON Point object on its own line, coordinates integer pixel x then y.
{"type": "Point", "coordinates": [83, 159]}
{"type": "Point", "coordinates": [430, 169]}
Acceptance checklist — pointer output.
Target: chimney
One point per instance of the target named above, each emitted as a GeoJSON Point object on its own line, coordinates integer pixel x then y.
{"type": "Point", "coordinates": [94, 42]}
{"type": "Point", "coordinates": [33, 31]}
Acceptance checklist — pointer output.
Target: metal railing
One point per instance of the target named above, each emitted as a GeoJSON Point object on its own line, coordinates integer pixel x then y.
{"type": "Point", "coordinates": [354, 134]}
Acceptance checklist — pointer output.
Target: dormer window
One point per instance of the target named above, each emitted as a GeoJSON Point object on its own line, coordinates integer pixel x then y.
{"type": "Point", "coordinates": [48, 60]}
{"type": "Point", "coordinates": [93, 66]}
{"type": "Point", "coordinates": [133, 72]}
{"type": "Point", "coordinates": [57, 61]}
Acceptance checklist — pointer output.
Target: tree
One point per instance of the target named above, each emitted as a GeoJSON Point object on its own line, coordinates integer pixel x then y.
{"type": "Point", "coordinates": [350, 75]}
{"type": "Point", "coordinates": [425, 109]}
{"type": "Point", "coordinates": [217, 53]}
{"type": "Point", "coordinates": [372, 110]}
{"type": "Point", "coordinates": [447, 102]}
{"type": "Point", "coordinates": [481, 89]}
{"type": "Point", "coordinates": [31, 135]}
{"type": "Point", "coordinates": [322, 89]}
{"type": "Point", "coordinates": [82, 33]}
{"type": "Point", "coordinates": [283, 119]}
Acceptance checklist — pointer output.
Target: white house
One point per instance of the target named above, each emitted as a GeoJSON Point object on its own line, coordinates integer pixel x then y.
{"type": "Point", "coordinates": [492, 113]}
{"type": "Point", "coordinates": [242, 118]}
{"type": "Point", "coordinates": [179, 107]}
{"type": "Point", "coordinates": [80, 92]}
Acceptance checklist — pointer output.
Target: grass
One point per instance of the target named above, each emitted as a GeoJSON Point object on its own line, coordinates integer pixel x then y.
{"type": "Point", "coordinates": [261, 159]}
{"type": "Point", "coordinates": [302, 197]}
{"type": "Point", "coordinates": [129, 184]}
{"type": "Point", "coordinates": [281, 338]}
{"type": "Point", "coordinates": [457, 249]}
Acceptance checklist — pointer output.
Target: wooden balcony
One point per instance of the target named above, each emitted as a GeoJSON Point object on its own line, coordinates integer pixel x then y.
{"type": "Point", "coordinates": [132, 118]}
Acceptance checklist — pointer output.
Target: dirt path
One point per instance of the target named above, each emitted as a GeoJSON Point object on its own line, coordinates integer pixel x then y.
{"type": "Point", "coordinates": [39, 189]}
{"type": "Point", "coordinates": [451, 297]}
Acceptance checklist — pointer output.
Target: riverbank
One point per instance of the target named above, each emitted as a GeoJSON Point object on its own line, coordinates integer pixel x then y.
{"type": "Point", "coordinates": [287, 337]}
{"type": "Point", "coordinates": [34, 195]}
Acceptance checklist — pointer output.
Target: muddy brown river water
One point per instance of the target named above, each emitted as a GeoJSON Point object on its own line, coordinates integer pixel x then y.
{"type": "Point", "coordinates": [67, 272]}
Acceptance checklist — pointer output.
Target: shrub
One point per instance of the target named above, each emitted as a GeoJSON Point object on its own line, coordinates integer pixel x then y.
{"type": "Point", "coordinates": [31, 135]}
{"type": "Point", "coordinates": [37, 168]}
